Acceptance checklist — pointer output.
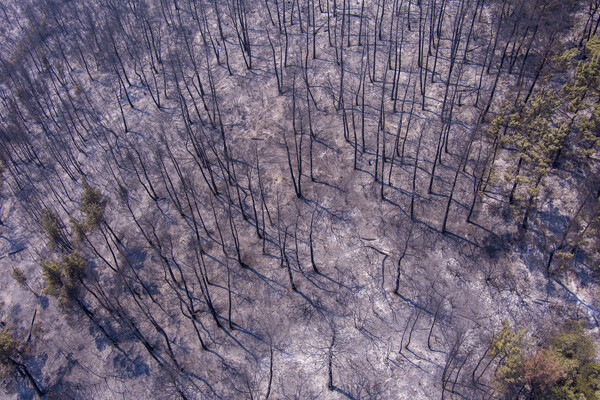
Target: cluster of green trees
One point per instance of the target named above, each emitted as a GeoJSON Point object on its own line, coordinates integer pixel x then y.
{"type": "Point", "coordinates": [163, 124]}
{"type": "Point", "coordinates": [554, 130]}
{"type": "Point", "coordinates": [63, 275]}
{"type": "Point", "coordinates": [13, 356]}
{"type": "Point", "coordinates": [564, 367]}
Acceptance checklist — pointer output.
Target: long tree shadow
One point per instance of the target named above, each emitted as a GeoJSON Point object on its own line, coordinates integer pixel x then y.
{"type": "Point", "coordinates": [448, 233]}
{"type": "Point", "coordinates": [463, 239]}
{"type": "Point", "coordinates": [205, 382]}
{"type": "Point", "coordinates": [325, 276]}
{"type": "Point", "coordinates": [398, 190]}
{"type": "Point", "coordinates": [220, 357]}
{"type": "Point", "coordinates": [342, 392]}
{"type": "Point", "coordinates": [594, 312]}
{"type": "Point", "coordinates": [264, 278]}
{"type": "Point", "coordinates": [423, 358]}
{"type": "Point", "coordinates": [328, 184]}
{"type": "Point", "coordinates": [387, 200]}
{"type": "Point", "coordinates": [411, 362]}
{"type": "Point", "coordinates": [317, 283]}
{"type": "Point", "coordinates": [241, 329]}
{"type": "Point", "coordinates": [323, 208]}
{"type": "Point", "coordinates": [316, 306]}
{"type": "Point", "coordinates": [268, 281]}
{"type": "Point", "coordinates": [238, 342]}
{"type": "Point", "coordinates": [414, 304]}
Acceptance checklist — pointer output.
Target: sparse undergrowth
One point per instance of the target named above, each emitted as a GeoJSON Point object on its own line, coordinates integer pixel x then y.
{"type": "Point", "coordinates": [299, 199]}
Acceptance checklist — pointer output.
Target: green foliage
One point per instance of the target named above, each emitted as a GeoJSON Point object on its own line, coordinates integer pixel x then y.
{"type": "Point", "coordinates": [588, 128]}
{"type": "Point", "coordinates": [586, 82]}
{"type": "Point", "coordinates": [79, 228]}
{"type": "Point", "coordinates": [539, 128]}
{"type": "Point", "coordinates": [506, 339]}
{"type": "Point", "coordinates": [532, 133]}
{"type": "Point", "coordinates": [553, 125]}
{"type": "Point", "coordinates": [581, 95]}
{"type": "Point", "coordinates": [508, 345]}
{"type": "Point", "coordinates": [563, 257]}
{"type": "Point", "coordinates": [19, 276]}
{"type": "Point", "coordinates": [73, 267]}
{"type": "Point", "coordinates": [566, 369]}
{"type": "Point", "coordinates": [591, 237]}
{"type": "Point", "coordinates": [566, 58]}
{"type": "Point", "coordinates": [588, 381]}
{"type": "Point", "coordinates": [12, 349]}
{"type": "Point", "coordinates": [498, 123]}
{"type": "Point", "coordinates": [13, 352]}
{"type": "Point", "coordinates": [8, 347]}
{"type": "Point", "coordinates": [53, 275]}
{"type": "Point", "coordinates": [51, 227]}
{"type": "Point", "coordinates": [62, 276]}
{"type": "Point", "coordinates": [92, 205]}
{"type": "Point", "coordinates": [574, 346]}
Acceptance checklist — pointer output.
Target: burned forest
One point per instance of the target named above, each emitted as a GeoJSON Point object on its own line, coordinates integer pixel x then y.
{"type": "Point", "coordinates": [299, 199]}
